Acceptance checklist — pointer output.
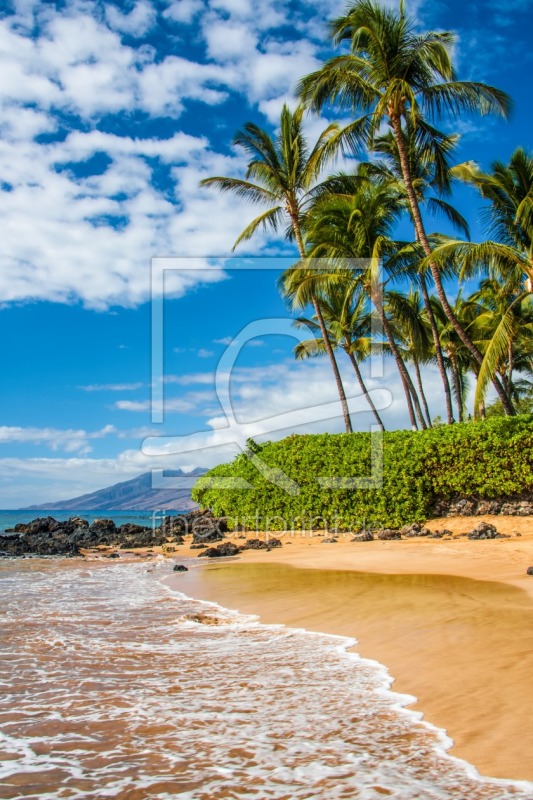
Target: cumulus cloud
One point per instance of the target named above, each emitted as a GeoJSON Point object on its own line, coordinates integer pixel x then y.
{"type": "Point", "coordinates": [183, 10]}
{"type": "Point", "coordinates": [93, 229]}
{"type": "Point", "coordinates": [70, 441]}
{"type": "Point", "coordinates": [136, 23]}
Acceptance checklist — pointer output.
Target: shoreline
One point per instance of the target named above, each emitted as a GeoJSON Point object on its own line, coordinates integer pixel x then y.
{"type": "Point", "coordinates": [452, 621]}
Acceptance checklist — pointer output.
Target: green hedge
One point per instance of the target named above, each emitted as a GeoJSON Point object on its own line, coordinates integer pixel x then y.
{"type": "Point", "coordinates": [482, 460]}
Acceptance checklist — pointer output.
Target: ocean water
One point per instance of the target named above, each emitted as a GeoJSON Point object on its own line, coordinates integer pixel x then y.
{"type": "Point", "coordinates": [110, 690]}
{"type": "Point", "coordinates": [151, 519]}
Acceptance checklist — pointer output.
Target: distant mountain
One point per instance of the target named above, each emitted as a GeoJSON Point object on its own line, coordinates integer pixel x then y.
{"type": "Point", "coordinates": [133, 495]}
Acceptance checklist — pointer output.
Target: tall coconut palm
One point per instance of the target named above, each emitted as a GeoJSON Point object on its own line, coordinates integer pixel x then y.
{"type": "Point", "coordinates": [460, 361]}
{"type": "Point", "coordinates": [349, 325]}
{"type": "Point", "coordinates": [344, 228]}
{"type": "Point", "coordinates": [503, 326]}
{"type": "Point", "coordinates": [395, 75]}
{"type": "Point", "coordinates": [412, 324]}
{"type": "Point", "coordinates": [429, 167]}
{"type": "Point", "coordinates": [509, 217]}
{"type": "Point", "coordinates": [508, 256]}
{"type": "Point", "coordinates": [281, 175]}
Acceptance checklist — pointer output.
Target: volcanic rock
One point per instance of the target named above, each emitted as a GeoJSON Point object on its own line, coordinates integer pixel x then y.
{"type": "Point", "coordinates": [389, 534]}
{"type": "Point", "coordinates": [364, 536]}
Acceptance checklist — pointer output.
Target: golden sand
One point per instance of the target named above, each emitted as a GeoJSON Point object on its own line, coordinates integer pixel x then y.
{"type": "Point", "coordinates": [452, 620]}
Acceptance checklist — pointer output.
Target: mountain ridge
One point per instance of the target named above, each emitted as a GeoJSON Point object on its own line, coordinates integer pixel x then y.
{"type": "Point", "coordinates": [135, 494]}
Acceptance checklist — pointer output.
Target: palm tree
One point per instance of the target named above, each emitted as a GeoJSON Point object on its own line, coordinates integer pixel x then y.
{"type": "Point", "coordinates": [347, 227]}
{"type": "Point", "coordinates": [509, 190]}
{"type": "Point", "coordinates": [429, 167]}
{"type": "Point", "coordinates": [460, 361]}
{"type": "Point", "coordinates": [504, 327]}
{"type": "Point", "coordinates": [413, 329]}
{"type": "Point", "coordinates": [396, 76]}
{"type": "Point", "coordinates": [508, 257]}
{"type": "Point", "coordinates": [349, 326]}
{"type": "Point", "coordinates": [282, 174]}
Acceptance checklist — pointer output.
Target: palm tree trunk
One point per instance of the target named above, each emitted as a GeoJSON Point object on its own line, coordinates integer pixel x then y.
{"type": "Point", "coordinates": [510, 370]}
{"type": "Point", "coordinates": [421, 392]}
{"type": "Point", "coordinates": [329, 349]}
{"type": "Point", "coordinates": [457, 387]}
{"type": "Point", "coordinates": [334, 366]}
{"type": "Point", "coordinates": [404, 375]}
{"type": "Point", "coordinates": [364, 389]}
{"type": "Point", "coordinates": [416, 402]}
{"type": "Point", "coordinates": [438, 350]}
{"type": "Point", "coordinates": [424, 241]}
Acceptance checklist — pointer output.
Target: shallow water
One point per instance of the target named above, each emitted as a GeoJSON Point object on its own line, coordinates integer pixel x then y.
{"type": "Point", "coordinates": [107, 691]}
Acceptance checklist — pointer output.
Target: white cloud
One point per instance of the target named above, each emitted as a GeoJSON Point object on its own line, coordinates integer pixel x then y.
{"type": "Point", "coordinates": [275, 400]}
{"type": "Point", "coordinates": [259, 395]}
{"type": "Point", "coordinates": [229, 41]}
{"type": "Point", "coordinates": [70, 441]}
{"type": "Point", "coordinates": [91, 237]}
{"type": "Point", "coordinates": [139, 20]}
{"type": "Point", "coordinates": [111, 387]}
{"type": "Point", "coordinates": [183, 10]}
{"type": "Point", "coordinates": [170, 405]}
{"type": "Point", "coordinates": [203, 353]}
{"type": "Point", "coordinates": [28, 481]}
{"type": "Point", "coordinates": [110, 225]}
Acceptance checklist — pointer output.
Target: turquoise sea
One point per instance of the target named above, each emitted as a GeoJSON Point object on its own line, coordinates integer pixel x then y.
{"type": "Point", "coordinates": [8, 519]}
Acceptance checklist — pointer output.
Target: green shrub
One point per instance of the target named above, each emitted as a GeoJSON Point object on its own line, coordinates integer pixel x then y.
{"type": "Point", "coordinates": [483, 460]}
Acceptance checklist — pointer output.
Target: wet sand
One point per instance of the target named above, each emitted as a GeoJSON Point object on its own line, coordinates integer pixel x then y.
{"type": "Point", "coordinates": [452, 620]}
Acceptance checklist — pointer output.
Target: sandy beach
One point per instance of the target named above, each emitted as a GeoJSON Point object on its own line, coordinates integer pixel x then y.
{"type": "Point", "coordinates": [451, 619]}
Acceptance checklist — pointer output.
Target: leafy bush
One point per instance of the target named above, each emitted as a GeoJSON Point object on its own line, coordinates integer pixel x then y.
{"type": "Point", "coordinates": [483, 460]}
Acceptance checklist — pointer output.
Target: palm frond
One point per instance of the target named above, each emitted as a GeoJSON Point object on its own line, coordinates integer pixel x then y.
{"type": "Point", "coordinates": [496, 351]}
{"type": "Point", "coordinates": [270, 218]}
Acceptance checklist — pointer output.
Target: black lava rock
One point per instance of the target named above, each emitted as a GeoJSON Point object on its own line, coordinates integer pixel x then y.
{"type": "Point", "coordinates": [226, 549]}
{"type": "Point", "coordinates": [484, 531]}
{"type": "Point", "coordinates": [261, 544]}
{"type": "Point", "coordinates": [389, 534]}
{"type": "Point", "coordinates": [364, 536]}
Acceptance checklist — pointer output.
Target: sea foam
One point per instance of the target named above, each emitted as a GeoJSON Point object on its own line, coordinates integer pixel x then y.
{"type": "Point", "coordinates": [109, 692]}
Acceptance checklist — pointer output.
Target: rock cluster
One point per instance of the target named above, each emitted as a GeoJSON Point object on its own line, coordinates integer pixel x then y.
{"type": "Point", "coordinates": [416, 529]}
{"type": "Point", "coordinates": [261, 544]}
{"type": "Point", "coordinates": [364, 536]}
{"type": "Point", "coordinates": [230, 549]}
{"type": "Point", "coordinates": [388, 534]}
{"type": "Point", "coordinates": [466, 507]}
{"type": "Point", "coordinates": [47, 536]}
{"type": "Point", "coordinates": [486, 531]}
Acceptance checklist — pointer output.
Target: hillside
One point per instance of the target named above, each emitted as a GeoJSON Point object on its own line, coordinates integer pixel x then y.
{"type": "Point", "coordinates": [133, 495]}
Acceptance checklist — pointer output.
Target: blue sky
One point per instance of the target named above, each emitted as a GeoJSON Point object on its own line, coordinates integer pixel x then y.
{"type": "Point", "coordinates": [111, 115]}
